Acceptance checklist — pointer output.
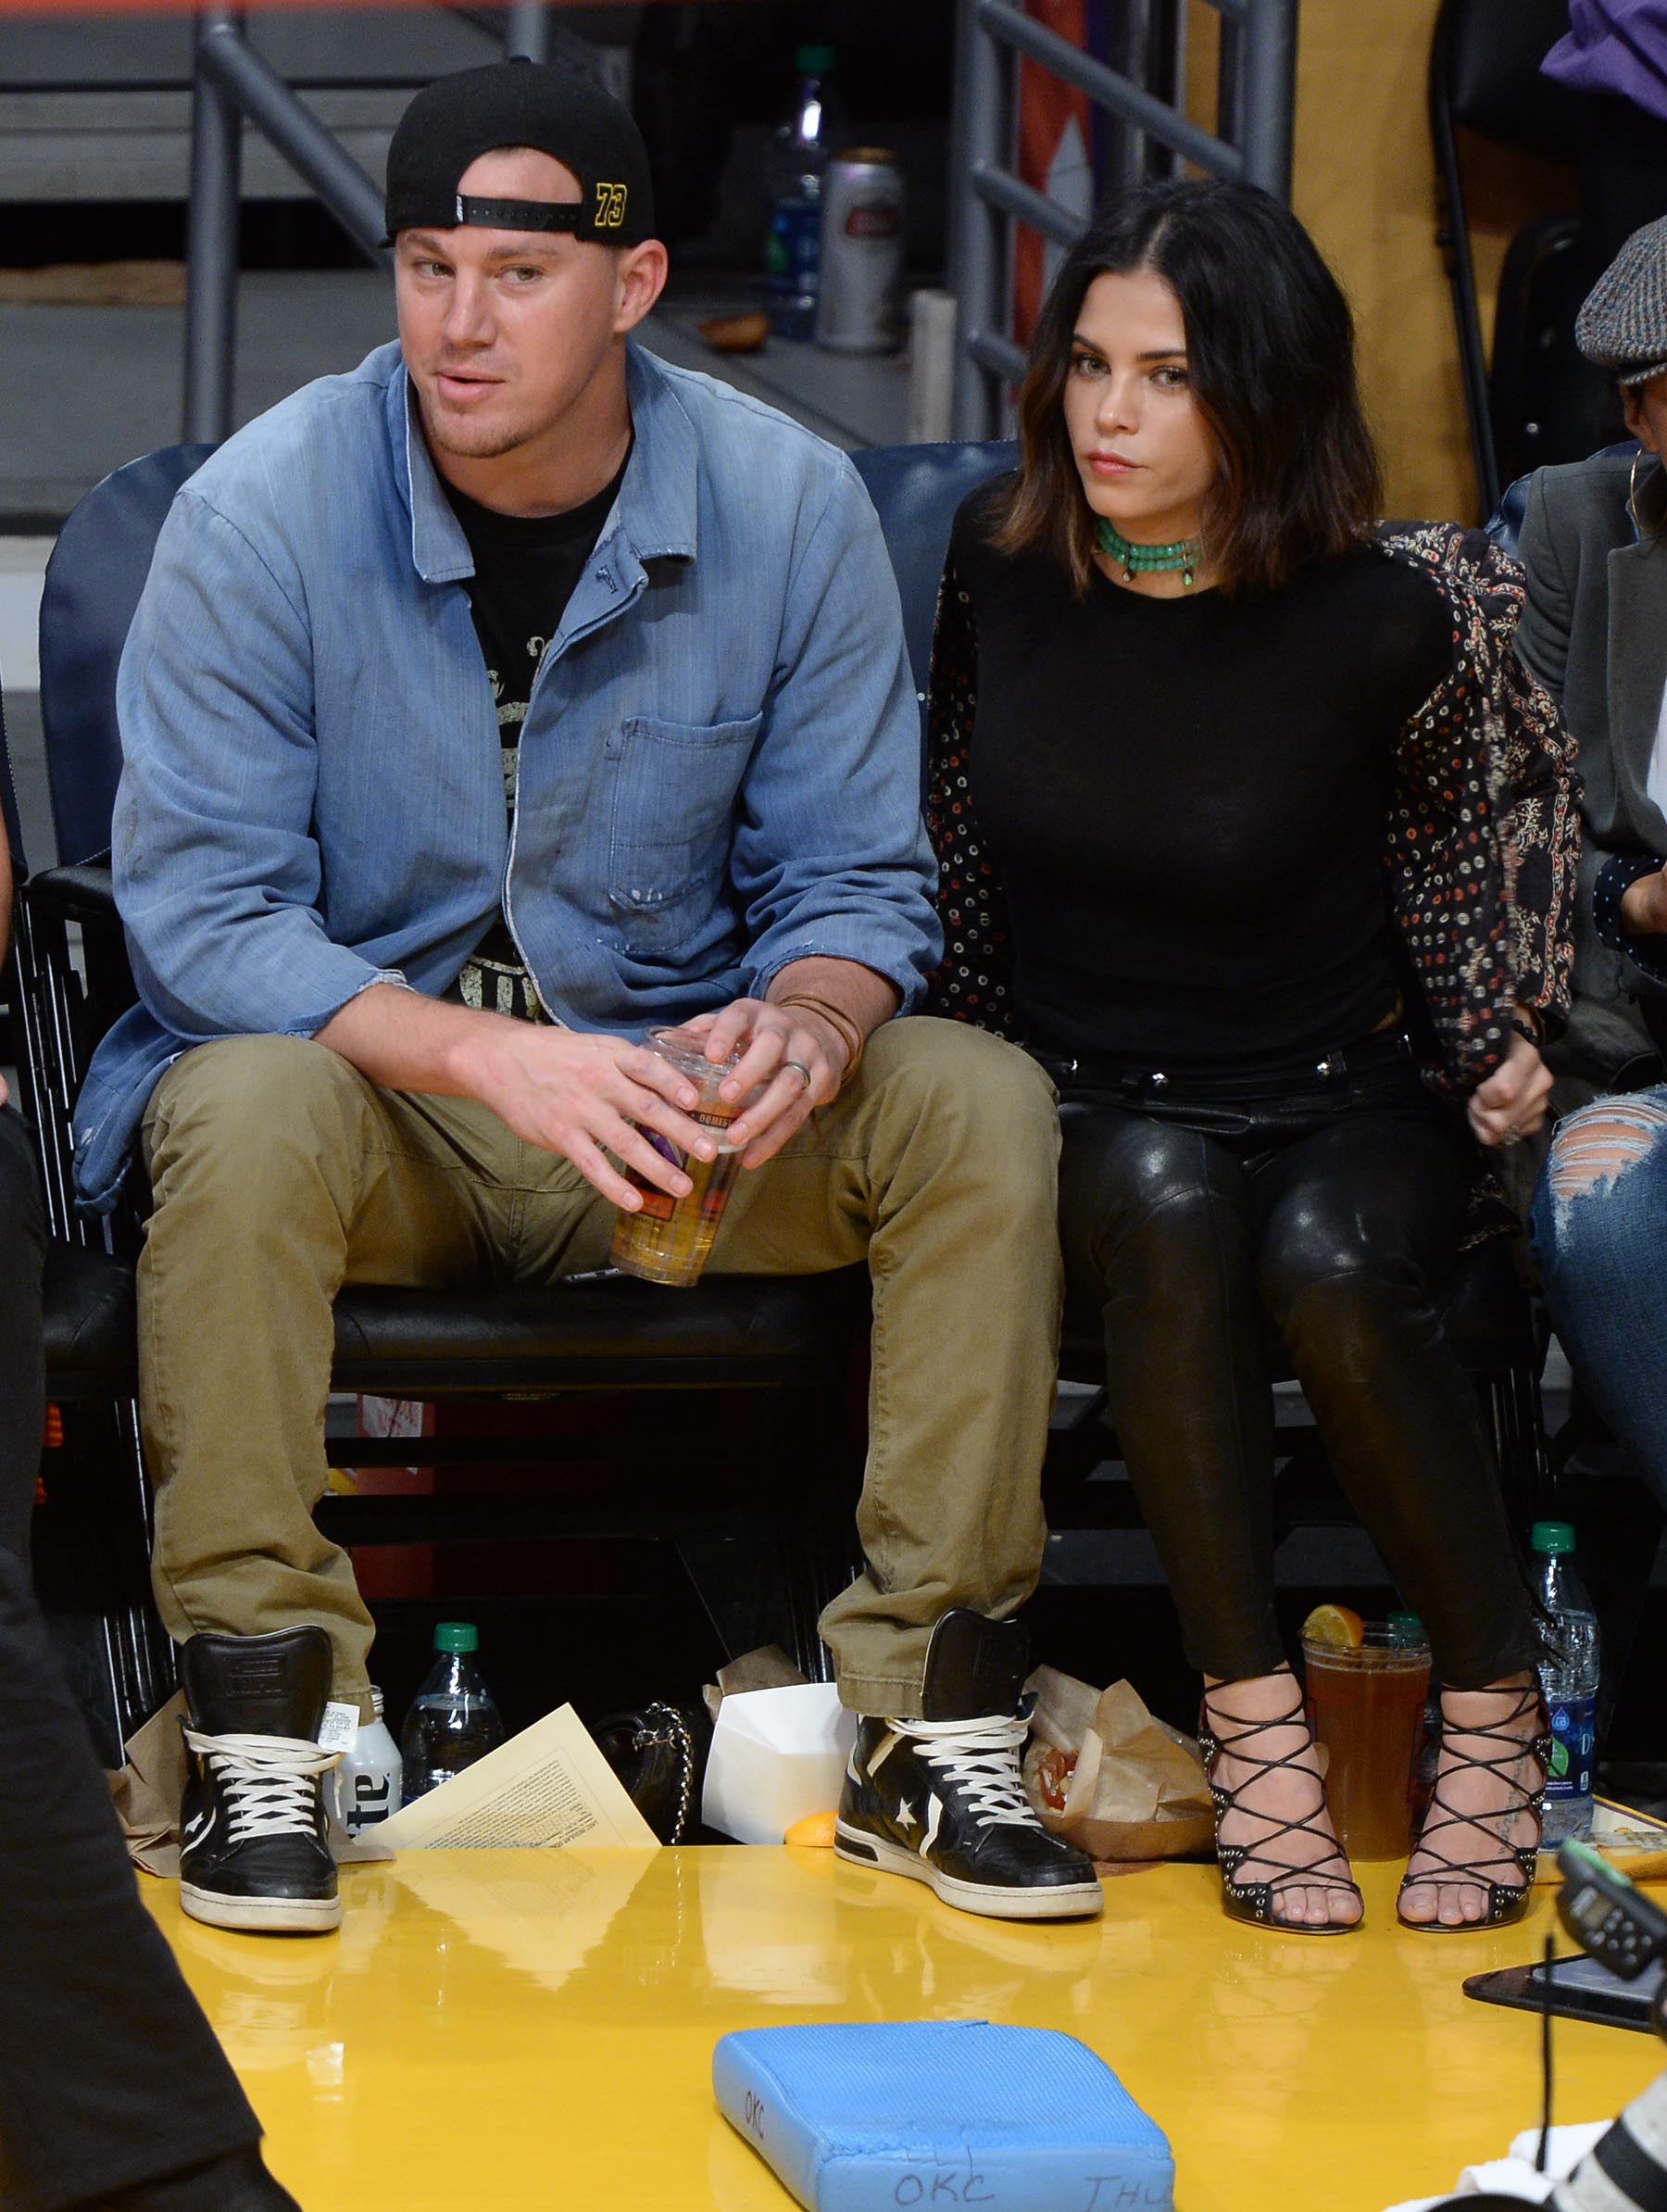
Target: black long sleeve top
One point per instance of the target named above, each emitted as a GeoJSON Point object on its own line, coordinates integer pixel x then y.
{"type": "Point", "coordinates": [1186, 798]}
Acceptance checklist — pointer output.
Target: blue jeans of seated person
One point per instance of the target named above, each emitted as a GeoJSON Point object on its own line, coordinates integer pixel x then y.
{"type": "Point", "coordinates": [1600, 1238]}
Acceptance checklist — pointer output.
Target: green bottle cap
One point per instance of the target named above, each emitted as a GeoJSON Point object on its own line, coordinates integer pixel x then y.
{"type": "Point", "coordinates": [1551, 1537]}
{"type": "Point", "coordinates": [456, 1636]}
{"type": "Point", "coordinates": [815, 61]}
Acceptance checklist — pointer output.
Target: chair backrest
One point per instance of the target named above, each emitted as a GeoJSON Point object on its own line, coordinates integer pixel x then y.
{"type": "Point", "coordinates": [8, 804]}
{"type": "Point", "coordinates": [1485, 74]}
{"type": "Point", "coordinates": [1488, 55]}
{"type": "Point", "coordinates": [916, 490]}
{"type": "Point", "coordinates": [1549, 402]}
{"type": "Point", "coordinates": [93, 580]}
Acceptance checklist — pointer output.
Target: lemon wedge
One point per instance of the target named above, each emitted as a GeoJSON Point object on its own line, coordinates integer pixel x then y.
{"type": "Point", "coordinates": [1334, 1627]}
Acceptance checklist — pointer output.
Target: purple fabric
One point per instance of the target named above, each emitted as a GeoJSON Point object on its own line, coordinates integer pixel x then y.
{"type": "Point", "coordinates": [1615, 47]}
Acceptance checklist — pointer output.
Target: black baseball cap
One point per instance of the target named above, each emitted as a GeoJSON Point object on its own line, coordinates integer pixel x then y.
{"type": "Point", "coordinates": [563, 112]}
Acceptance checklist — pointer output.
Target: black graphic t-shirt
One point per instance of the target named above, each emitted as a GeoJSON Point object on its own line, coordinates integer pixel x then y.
{"type": "Point", "coordinates": [526, 569]}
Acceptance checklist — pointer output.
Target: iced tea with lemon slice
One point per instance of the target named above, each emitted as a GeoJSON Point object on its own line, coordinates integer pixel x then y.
{"type": "Point", "coordinates": [1367, 1696]}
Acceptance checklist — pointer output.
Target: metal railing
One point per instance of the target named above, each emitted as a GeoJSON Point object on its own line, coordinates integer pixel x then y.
{"type": "Point", "coordinates": [1256, 98]}
{"type": "Point", "coordinates": [233, 84]}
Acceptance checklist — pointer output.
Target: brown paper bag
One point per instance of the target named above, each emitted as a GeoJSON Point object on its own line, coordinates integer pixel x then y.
{"type": "Point", "coordinates": [146, 1794]}
{"type": "Point", "coordinates": [1106, 1775]}
{"type": "Point", "coordinates": [146, 1791]}
{"type": "Point", "coordinates": [767, 1669]}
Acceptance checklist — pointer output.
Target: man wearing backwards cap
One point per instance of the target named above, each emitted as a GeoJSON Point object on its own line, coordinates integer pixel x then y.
{"type": "Point", "coordinates": [397, 930]}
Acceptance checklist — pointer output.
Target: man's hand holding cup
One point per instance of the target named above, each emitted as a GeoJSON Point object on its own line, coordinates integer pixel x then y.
{"type": "Point", "coordinates": [795, 1053]}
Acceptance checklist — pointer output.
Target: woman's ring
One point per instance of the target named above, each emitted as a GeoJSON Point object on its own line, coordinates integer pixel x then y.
{"type": "Point", "coordinates": [803, 1070]}
{"type": "Point", "coordinates": [1513, 1136]}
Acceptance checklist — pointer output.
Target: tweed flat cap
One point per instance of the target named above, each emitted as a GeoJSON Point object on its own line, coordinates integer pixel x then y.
{"type": "Point", "coordinates": [1622, 326]}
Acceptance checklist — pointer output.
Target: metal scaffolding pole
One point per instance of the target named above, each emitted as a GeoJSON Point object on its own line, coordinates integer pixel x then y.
{"type": "Point", "coordinates": [211, 242]}
{"type": "Point", "coordinates": [293, 130]}
{"type": "Point", "coordinates": [230, 81]}
{"type": "Point", "coordinates": [1252, 141]}
{"type": "Point", "coordinates": [1267, 56]}
{"type": "Point", "coordinates": [527, 30]}
{"type": "Point", "coordinates": [978, 228]}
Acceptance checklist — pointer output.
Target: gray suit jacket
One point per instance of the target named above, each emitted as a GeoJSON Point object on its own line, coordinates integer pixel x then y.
{"type": "Point", "coordinates": [1594, 631]}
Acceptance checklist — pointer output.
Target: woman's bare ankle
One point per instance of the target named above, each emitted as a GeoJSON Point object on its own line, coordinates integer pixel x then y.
{"type": "Point", "coordinates": [1465, 1856]}
{"type": "Point", "coordinates": [1237, 1703]}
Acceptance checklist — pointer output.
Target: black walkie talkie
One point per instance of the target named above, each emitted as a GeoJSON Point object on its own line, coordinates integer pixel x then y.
{"type": "Point", "coordinates": [1612, 1919]}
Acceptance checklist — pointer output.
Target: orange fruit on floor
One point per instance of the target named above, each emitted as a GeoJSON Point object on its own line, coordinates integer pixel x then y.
{"type": "Point", "coordinates": [1336, 1628]}
{"type": "Point", "coordinates": [815, 1828]}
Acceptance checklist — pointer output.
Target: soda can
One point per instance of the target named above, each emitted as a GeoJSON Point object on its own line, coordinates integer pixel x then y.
{"type": "Point", "coordinates": [859, 303]}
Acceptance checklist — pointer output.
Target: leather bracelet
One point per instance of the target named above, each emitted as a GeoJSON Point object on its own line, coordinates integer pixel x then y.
{"type": "Point", "coordinates": [844, 1028]}
{"type": "Point", "coordinates": [838, 1020]}
{"type": "Point", "coordinates": [1526, 1031]}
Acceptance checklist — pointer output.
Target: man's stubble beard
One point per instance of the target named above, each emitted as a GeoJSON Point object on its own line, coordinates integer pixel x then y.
{"type": "Point", "coordinates": [476, 442]}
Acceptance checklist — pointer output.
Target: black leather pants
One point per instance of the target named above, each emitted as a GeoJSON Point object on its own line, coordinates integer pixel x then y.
{"type": "Point", "coordinates": [1207, 1219]}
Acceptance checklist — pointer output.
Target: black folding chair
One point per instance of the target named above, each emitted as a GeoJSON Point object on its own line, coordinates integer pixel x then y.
{"type": "Point", "coordinates": [1538, 400]}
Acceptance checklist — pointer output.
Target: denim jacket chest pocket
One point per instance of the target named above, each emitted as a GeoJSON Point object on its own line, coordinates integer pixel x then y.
{"type": "Point", "coordinates": [674, 790]}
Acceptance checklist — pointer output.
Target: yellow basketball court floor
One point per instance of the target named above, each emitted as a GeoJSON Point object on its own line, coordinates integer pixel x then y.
{"type": "Point", "coordinates": [493, 2031]}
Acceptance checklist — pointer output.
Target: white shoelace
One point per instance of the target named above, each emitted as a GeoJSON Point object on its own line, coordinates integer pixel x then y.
{"type": "Point", "coordinates": [268, 1781]}
{"type": "Point", "coordinates": [980, 1759]}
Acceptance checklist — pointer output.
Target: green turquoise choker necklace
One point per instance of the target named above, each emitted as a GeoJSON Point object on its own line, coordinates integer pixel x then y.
{"type": "Point", "coordinates": [1146, 561]}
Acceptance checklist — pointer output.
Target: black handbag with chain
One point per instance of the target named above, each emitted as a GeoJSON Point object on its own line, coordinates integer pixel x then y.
{"type": "Point", "coordinates": [657, 1751]}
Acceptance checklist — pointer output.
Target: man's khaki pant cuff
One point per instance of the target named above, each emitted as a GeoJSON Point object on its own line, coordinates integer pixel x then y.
{"type": "Point", "coordinates": [883, 1697]}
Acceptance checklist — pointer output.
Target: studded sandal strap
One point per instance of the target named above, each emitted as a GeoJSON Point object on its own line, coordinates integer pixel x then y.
{"type": "Point", "coordinates": [1233, 1856]}
{"type": "Point", "coordinates": [1443, 1814]}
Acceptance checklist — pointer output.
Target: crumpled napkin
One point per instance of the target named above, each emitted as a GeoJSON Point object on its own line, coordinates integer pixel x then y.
{"type": "Point", "coordinates": [1109, 1776]}
{"type": "Point", "coordinates": [1513, 2175]}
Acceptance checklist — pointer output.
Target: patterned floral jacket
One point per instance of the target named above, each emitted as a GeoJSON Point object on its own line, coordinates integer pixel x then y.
{"type": "Point", "coordinates": [1481, 843]}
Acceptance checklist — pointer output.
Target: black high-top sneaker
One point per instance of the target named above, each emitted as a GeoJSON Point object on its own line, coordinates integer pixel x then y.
{"type": "Point", "coordinates": [942, 1799]}
{"type": "Point", "coordinates": [253, 1852]}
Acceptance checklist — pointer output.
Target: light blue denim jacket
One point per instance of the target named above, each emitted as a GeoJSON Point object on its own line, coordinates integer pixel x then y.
{"type": "Point", "coordinates": [720, 768]}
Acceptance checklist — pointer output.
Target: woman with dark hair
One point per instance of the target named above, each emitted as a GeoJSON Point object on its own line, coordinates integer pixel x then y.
{"type": "Point", "coordinates": [1251, 827]}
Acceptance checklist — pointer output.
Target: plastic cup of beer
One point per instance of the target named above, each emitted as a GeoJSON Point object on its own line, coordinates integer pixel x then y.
{"type": "Point", "coordinates": [668, 1240]}
{"type": "Point", "coordinates": [1367, 1702]}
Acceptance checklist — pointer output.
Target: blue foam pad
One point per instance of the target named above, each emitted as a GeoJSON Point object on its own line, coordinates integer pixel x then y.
{"type": "Point", "coordinates": [867, 2116]}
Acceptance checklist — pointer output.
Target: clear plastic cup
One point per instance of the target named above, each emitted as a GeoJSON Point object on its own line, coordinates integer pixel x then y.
{"type": "Point", "coordinates": [668, 1240]}
{"type": "Point", "coordinates": [1368, 1705]}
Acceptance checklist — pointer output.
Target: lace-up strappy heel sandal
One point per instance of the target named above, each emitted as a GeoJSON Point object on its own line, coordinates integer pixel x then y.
{"type": "Point", "coordinates": [1506, 1901]}
{"type": "Point", "coordinates": [1255, 1900]}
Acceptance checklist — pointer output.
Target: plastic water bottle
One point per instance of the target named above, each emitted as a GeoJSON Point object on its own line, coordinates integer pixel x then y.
{"type": "Point", "coordinates": [793, 233]}
{"type": "Point", "coordinates": [1569, 1675]}
{"type": "Point", "coordinates": [370, 1781]}
{"type": "Point", "coordinates": [453, 1721]}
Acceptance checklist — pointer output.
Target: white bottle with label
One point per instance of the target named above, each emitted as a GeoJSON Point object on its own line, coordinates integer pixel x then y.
{"type": "Point", "coordinates": [370, 1781]}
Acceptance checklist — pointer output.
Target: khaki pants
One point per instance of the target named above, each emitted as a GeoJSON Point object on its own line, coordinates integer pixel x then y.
{"type": "Point", "coordinates": [278, 1173]}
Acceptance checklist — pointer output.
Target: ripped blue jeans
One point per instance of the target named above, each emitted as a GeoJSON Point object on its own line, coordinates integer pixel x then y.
{"type": "Point", "coordinates": [1600, 1236]}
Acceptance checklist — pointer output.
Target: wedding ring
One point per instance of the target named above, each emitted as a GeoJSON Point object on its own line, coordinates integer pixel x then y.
{"type": "Point", "coordinates": [803, 1070]}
